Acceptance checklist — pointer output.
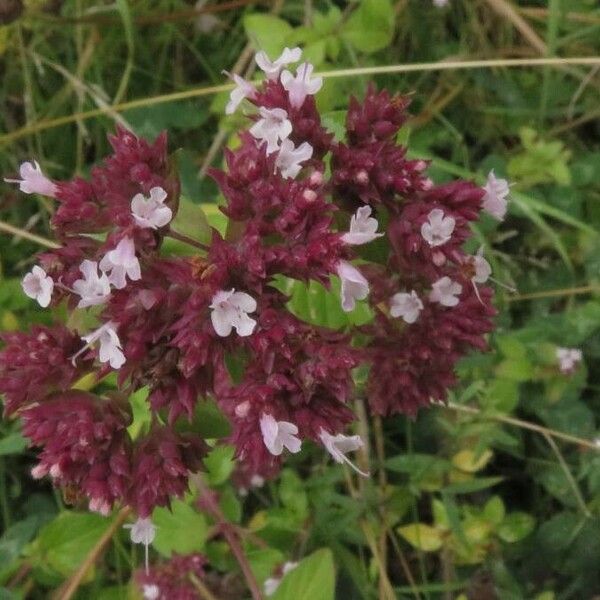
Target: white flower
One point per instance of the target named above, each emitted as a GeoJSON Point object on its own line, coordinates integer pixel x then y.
{"type": "Point", "coordinates": [243, 89]}
{"type": "Point", "coordinates": [230, 310]}
{"type": "Point", "coordinates": [363, 228]}
{"type": "Point", "coordinates": [278, 435]}
{"type": "Point", "coordinates": [110, 345]}
{"type": "Point", "coordinates": [272, 583]}
{"type": "Point", "coordinates": [99, 506]}
{"type": "Point", "coordinates": [33, 181]}
{"type": "Point", "coordinates": [143, 531]}
{"type": "Point", "coordinates": [151, 213]}
{"type": "Point", "coordinates": [37, 285]}
{"type": "Point", "coordinates": [440, 3]}
{"type": "Point", "coordinates": [151, 592]}
{"type": "Point", "coordinates": [289, 158]}
{"type": "Point", "coordinates": [495, 201]}
{"type": "Point", "coordinates": [273, 68]}
{"type": "Point", "coordinates": [482, 267]}
{"type": "Point", "coordinates": [568, 359]}
{"type": "Point", "coordinates": [302, 85]}
{"type": "Point", "coordinates": [405, 305]}
{"type": "Point", "coordinates": [445, 291]}
{"type": "Point", "coordinates": [121, 262]}
{"type": "Point", "coordinates": [94, 289]}
{"type": "Point", "coordinates": [339, 445]}
{"type": "Point", "coordinates": [438, 228]}
{"type": "Point", "coordinates": [354, 285]}
{"type": "Point", "coordinates": [272, 128]}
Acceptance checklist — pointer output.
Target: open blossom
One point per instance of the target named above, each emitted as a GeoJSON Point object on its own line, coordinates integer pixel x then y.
{"type": "Point", "coordinates": [354, 285]}
{"type": "Point", "coordinates": [289, 158]}
{"type": "Point", "coordinates": [33, 181]}
{"type": "Point", "coordinates": [437, 230]}
{"type": "Point", "coordinates": [37, 285]}
{"type": "Point", "coordinates": [143, 531]}
{"type": "Point", "coordinates": [495, 200]}
{"type": "Point", "coordinates": [151, 212]}
{"type": "Point", "coordinates": [363, 228]}
{"type": "Point", "coordinates": [302, 85]}
{"type": "Point", "coordinates": [243, 89]}
{"type": "Point", "coordinates": [151, 592]}
{"type": "Point", "coordinates": [110, 345]}
{"type": "Point", "coordinates": [339, 445]}
{"type": "Point", "coordinates": [273, 68]}
{"type": "Point", "coordinates": [94, 289]}
{"type": "Point", "coordinates": [445, 291]}
{"type": "Point", "coordinates": [440, 3]}
{"type": "Point", "coordinates": [230, 311]}
{"type": "Point", "coordinates": [405, 305]}
{"type": "Point", "coordinates": [272, 583]}
{"type": "Point", "coordinates": [121, 263]}
{"type": "Point", "coordinates": [278, 435]}
{"type": "Point", "coordinates": [482, 267]}
{"type": "Point", "coordinates": [273, 127]}
{"type": "Point", "coordinates": [568, 359]}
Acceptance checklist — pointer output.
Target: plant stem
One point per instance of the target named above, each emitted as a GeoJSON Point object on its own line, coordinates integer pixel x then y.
{"type": "Point", "coordinates": [186, 239]}
{"type": "Point", "coordinates": [229, 533]}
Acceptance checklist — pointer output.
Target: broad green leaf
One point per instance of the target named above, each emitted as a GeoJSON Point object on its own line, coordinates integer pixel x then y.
{"type": "Point", "coordinates": [371, 25]}
{"type": "Point", "coordinates": [515, 527]}
{"type": "Point", "coordinates": [422, 536]}
{"type": "Point", "coordinates": [312, 579]}
{"type": "Point", "coordinates": [181, 529]}
{"type": "Point", "coordinates": [494, 510]}
{"type": "Point", "coordinates": [268, 33]}
{"type": "Point", "coordinates": [64, 543]}
{"type": "Point", "coordinates": [219, 464]}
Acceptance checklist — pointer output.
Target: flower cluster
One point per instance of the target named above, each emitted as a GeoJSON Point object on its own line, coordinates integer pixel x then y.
{"type": "Point", "coordinates": [302, 206]}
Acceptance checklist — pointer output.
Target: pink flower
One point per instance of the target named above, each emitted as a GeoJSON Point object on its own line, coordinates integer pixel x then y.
{"type": "Point", "coordinates": [437, 230]}
{"type": "Point", "coordinates": [33, 181]}
{"type": "Point", "coordinates": [230, 311]}
{"type": "Point", "coordinates": [568, 359]}
{"type": "Point", "coordinates": [94, 289]}
{"type": "Point", "coordinates": [39, 286]}
{"type": "Point", "coordinates": [121, 263]}
{"type": "Point", "coordinates": [363, 228]}
{"type": "Point", "coordinates": [278, 435]}
{"type": "Point", "coordinates": [302, 85]}
{"type": "Point", "coordinates": [354, 286]}
{"type": "Point", "coordinates": [243, 89]}
{"type": "Point", "coordinates": [110, 345]}
{"type": "Point", "coordinates": [406, 305]}
{"type": "Point", "coordinates": [272, 128]}
{"type": "Point", "coordinates": [445, 291]}
{"type": "Point", "coordinates": [495, 200]}
{"type": "Point", "coordinates": [151, 212]}
{"type": "Point", "coordinates": [273, 68]}
{"type": "Point", "coordinates": [289, 158]}
{"type": "Point", "coordinates": [339, 445]}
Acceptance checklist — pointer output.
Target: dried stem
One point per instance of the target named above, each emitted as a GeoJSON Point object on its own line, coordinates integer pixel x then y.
{"type": "Point", "coordinates": [26, 235]}
{"type": "Point", "coordinates": [229, 533]}
{"type": "Point", "coordinates": [71, 586]}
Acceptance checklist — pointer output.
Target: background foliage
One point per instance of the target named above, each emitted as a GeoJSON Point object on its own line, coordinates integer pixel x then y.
{"type": "Point", "coordinates": [497, 494]}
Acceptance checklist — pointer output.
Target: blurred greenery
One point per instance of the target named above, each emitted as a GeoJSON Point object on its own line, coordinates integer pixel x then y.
{"type": "Point", "coordinates": [496, 495]}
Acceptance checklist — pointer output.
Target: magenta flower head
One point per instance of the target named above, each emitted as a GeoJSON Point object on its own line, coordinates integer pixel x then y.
{"type": "Point", "coordinates": [354, 215]}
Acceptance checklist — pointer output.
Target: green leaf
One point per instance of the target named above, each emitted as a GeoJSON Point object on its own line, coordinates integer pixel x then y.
{"type": "Point", "coordinates": [209, 422]}
{"type": "Point", "coordinates": [13, 443]}
{"type": "Point", "coordinates": [293, 494]}
{"type": "Point", "coordinates": [181, 529]}
{"type": "Point", "coordinates": [64, 543]}
{"type": "Point", "coordinates": [219, 464]}
{"type": "Point", "coordinates": [268, 33]}
{"type": "Point", "coordinates": [473, 485]}
{"type": "Point", "coordinates": [140, 409]}
{"type": "Point", "coordinates": [371, 26]}
{"type": "Point", "coordinates": [312, 579]}
{"type": "Point", "coordinates": [515, 527]}
{"type": "Point", "coordinates": [422, 536]}
{"type": "Point", "coordinates": [494, 510]}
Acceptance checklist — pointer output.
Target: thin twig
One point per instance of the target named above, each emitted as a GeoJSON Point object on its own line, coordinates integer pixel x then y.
{"type": "Point", "coordinates": [567, 437]}
{"type": "Point", "coordinates": [584, 289]}
{"type": "Point", "coordinates": [201, 587]}
{"type": "Point", "coordinates": [230, 535]}
{"type": "Point", "coordinates": [353, 72]}
{"type": "Point", "coordinates": [568, 475]}
{"type": "Point", "coordinates": [71, 586]}
{"type": "Point", "coordinates": [32, 237]}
